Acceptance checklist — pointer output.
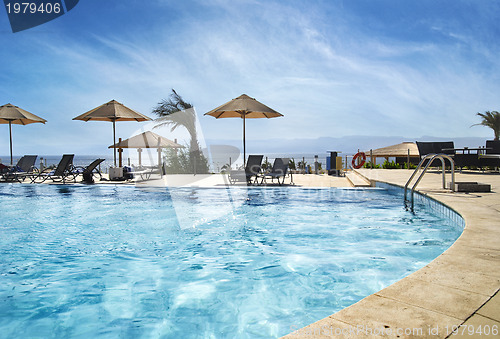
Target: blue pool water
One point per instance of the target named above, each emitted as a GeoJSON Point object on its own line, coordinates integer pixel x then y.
{"type": "Point", "coordinates": [124, 262]}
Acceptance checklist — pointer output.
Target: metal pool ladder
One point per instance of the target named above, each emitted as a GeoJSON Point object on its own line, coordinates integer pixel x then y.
{"type": "Point", "coordinates": [432, 157]}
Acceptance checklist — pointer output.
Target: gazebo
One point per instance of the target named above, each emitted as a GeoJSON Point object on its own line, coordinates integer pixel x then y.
{"type": "Point", "coordinates": [145, 140]}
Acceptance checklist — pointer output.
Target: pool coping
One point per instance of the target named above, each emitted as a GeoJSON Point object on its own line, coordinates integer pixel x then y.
{"type": "Point", "coordinates": [458, 288]}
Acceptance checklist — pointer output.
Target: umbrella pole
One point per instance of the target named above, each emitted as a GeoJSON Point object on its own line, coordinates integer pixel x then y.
{"type": "Point", "coordinates": [159, 161]}
{"type": "Point", "coordinates": [10, 133]}
{"type": "Point", "coordinates": [244, 144]}
{"type": "Point", "coordinates": [114, 142]}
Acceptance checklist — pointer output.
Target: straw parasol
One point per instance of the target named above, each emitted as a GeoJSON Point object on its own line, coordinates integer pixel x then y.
{"type": "Point", "coordinates": [404, 149]}
{"type": "Point", "coordinates": [244, 107]}
{"type": "Point", "coordinates": [147, 140]}
{"type": "Point", "coordinates": [112, 111]}
{"type": "Point", "coordinates": [10, 114]}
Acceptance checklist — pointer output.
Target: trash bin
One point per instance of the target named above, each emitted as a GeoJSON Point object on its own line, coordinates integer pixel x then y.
{"type": "Point", "coordinates": [127, 173]}
{"type": "Point", "coordinates": [333, 165]}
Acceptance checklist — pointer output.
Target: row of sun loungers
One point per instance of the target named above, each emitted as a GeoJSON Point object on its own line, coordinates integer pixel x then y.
{"type": "Point", "coordinates": [253, 172]}
{"type": "Point", "coordinates": [25, 170]}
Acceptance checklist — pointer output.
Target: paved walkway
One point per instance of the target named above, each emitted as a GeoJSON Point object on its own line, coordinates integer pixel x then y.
{"type": "Point", "coordinates": [456, 295]}
{"type": "Point", "coordinates": [220, 180]}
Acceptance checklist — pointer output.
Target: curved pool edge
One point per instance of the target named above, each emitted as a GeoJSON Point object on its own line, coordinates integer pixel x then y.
{"type": "Point", "coordinates": [459, 287]}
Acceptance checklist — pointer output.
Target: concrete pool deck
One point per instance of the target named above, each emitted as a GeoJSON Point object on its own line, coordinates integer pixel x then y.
{"type": "Point", "coordinates": [458, 288]}
{"type": "Point", "coordinates": [220, 180]}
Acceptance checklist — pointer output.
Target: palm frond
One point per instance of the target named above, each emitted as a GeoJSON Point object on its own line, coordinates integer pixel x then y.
{"type": "Point", "coordinates": [176, 112]}
{"type": "Point", "coordinates": [491, 120]}
{"type": "Point", "coordinates": [175, 103]}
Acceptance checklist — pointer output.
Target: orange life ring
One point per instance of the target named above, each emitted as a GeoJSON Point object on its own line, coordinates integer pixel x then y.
{"type": "Point", "coordinates": [363, 160]}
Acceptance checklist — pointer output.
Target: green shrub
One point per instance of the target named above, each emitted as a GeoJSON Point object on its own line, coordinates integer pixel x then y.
{"type": "Point", "coordinates": [390, 165]}
{"type": "Point", "coordinates": [181, 161]}
{"type": "Point", "coordinates": [412, 166]}
{"type": "Point", "coordinates": [368, 164]}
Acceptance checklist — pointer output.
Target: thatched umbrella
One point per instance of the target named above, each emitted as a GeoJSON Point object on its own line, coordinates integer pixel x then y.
{"type": "Point", "coordinates": [404, 149]}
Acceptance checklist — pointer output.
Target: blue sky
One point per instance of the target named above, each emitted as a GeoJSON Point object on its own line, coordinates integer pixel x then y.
{"type": "Point", "coordinates": [333, 68]}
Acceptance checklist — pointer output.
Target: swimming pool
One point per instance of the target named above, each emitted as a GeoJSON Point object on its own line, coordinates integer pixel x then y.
{"type": "Point", "coordinates": [114, 261]}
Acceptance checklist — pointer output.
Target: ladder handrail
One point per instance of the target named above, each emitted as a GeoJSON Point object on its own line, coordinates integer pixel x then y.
{"type": "Point", "coordinates": [416, 170]}
{"type": "Point", "coordinates": [433, 157]}
{"type": "Point", "coordinates": [441, 157]}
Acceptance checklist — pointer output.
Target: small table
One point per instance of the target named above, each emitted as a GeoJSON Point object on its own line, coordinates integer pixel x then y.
{"type": "Point", "coordinates": [115, 173]}
{"type": "Point", "coordinates": [468, 149]}
{"type": "Point", "coordinates": [490, 156]}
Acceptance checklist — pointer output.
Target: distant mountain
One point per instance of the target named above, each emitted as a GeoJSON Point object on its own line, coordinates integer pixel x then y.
{"type": "Point", "coordinates": [346, 145]}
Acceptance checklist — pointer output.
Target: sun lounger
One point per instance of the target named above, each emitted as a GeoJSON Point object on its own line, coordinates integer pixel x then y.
{"type": "Point", "coordinates": [252, 169]}
{"type": "Point", "coordinates": [63, 172]}
{"type": "Point", "coordinates": [24, 168]}
{"type": "Point", "coordinates": [3, 169]}
{"type": "Point", "coordinates": [279, 170]}
{"type": "Point", "coordinates": [90, 171]}
{"type": "Point", "coordinates": [145, 172]}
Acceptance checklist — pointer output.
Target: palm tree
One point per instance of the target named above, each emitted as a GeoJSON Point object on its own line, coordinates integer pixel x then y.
{"type": "Point", "coordinates": [176, 112]}
{"type": "Point", "coordinates": [185, 117]}
{"type": "Point", "coordinates": [491, 120]}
